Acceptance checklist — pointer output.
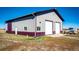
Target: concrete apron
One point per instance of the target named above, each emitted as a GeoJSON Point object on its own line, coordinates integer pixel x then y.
{"type": "Point", "coordinates": [56, 35]}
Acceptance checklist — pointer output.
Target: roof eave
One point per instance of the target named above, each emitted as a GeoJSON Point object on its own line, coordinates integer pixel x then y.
{"type": "Point", "coordinates": [58, 14]}
{"type": "Point", "coordinates": [51, 10]}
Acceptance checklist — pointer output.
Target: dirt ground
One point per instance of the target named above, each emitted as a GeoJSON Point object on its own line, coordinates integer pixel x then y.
{"type": "Point", "coordinates": [11, 42]}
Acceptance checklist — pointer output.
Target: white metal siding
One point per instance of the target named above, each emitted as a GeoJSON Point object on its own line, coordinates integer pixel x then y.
{"type": "Point", "coordinates": [30, 23]}
{"type": "Point", "coordinates": [49, 16]}
{"type": "Point", "coordinates": [24, 23]}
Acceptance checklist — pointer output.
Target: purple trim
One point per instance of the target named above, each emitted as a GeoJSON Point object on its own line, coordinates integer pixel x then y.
{"type": "Point", "coordinates": [53, 28]}
{"type": "Point", "coordinates": [40, 33]}
{"type": "Point", "coordinates": [60, 27]}
{"type": "Point", "coordinates": [54, 32]}
{"type": "Point", "coordinates": [61, 31]}
{"type": "Point", "coordinates": [28, 33]}
{"type": "Point", "coordinates": [9, 27]}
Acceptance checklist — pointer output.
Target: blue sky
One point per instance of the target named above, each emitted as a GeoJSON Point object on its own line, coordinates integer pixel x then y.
{"type": "Point", "coordinates": [69, 14]}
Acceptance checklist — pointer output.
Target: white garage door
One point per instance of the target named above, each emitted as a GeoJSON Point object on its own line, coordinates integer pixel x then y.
{"type": "Point", "coordinates": [57, 28]}
{"type": "Point", "coordinates": [48, 27]}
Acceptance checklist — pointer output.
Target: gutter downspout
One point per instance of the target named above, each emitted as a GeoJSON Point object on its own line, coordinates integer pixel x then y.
{"type": "Point", "coordinates": [35, 24]}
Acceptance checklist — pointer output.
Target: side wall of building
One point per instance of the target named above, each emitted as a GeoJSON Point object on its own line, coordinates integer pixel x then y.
{"type": "Point", "coordinates": [9, 26]}
{"type": "Point", "coordinates": [19, 25]}
{"type": "Point", "coordinates": [29, 23]}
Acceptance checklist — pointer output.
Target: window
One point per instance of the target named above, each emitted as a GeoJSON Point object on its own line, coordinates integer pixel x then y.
{"type": "Point", "coordinates": [25, 28]}
{"type": "Point", "coordinates": [38, 28]}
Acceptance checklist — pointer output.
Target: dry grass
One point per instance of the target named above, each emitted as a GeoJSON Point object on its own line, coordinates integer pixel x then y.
{"type": "Point", "coordinates": [2, 31]}
{"type": "Point", "coordinates": [11, 42]}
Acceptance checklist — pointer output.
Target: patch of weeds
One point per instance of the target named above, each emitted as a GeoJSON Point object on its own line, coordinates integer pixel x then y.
{"type": "Point", "coordinates": [30, 38]}
{"type": "Point", "coordinates": [41, 38]}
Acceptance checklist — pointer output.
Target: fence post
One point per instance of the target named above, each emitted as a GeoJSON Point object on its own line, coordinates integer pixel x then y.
{"type": "Point", "coordinates": [15, 31]}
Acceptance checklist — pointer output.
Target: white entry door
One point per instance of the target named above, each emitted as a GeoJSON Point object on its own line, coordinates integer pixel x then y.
{"type": "Point", "coordinates": [57, 28]}
{"type": "Point", "coordinates": [48, 27]}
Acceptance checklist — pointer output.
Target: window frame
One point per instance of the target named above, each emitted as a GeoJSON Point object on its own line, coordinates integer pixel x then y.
{"type": "Point", "coordinates": [38, 28]}
{"type": "Point", "coordinates": [25, 28]}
